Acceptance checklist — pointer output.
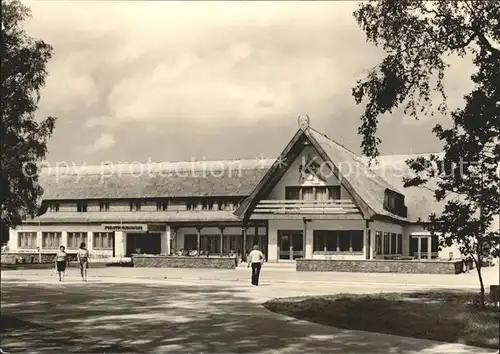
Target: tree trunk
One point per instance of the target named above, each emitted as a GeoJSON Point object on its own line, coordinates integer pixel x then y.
{"type": "Point", "coordinates": [478, 267]}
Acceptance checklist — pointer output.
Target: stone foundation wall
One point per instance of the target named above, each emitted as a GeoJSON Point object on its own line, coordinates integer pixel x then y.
{"type": "Point", "coordinates": [184, 262]}
{"type": "Point", "coordinates": [379, 266]}
{"type": "Point", "coordinates": [23, 258]}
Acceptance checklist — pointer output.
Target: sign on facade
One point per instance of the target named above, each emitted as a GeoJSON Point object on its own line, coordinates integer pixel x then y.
{"type": "Point", "coordinates": [119, 227]}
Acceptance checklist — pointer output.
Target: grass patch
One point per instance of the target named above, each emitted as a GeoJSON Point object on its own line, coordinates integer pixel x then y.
{"type": "Point", "coordinates": [447, 316]}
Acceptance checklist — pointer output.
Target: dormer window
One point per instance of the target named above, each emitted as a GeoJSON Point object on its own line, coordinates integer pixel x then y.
{"type": "Point", "coordinates": [135, 206]}
{"type": "Point", "coordinates": [395, 203]}
{"type": "Point", "coordinates": [81, 207]}
{"type": "Point", "coordinates": [54, 207]}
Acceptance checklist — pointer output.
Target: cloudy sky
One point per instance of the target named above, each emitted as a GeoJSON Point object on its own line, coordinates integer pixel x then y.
{"type": "Point", "coordinates": [132, 81]}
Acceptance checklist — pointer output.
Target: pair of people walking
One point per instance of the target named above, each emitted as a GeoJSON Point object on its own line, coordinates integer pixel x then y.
{"type": "Point", "coordinates": [255, 259]}
{"type": "Point", "coordinates": [82, 256]}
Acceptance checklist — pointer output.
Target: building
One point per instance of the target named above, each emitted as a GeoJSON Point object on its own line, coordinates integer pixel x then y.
{"type": "Point", "coordinates": [316, 200]}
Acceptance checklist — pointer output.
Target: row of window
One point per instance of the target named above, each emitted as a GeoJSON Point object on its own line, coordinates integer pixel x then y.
{"type": "Point", "coordinates": [205, 204]}
{"type": "Point", "coordinates": [212, 243]}
{"type": "Point", "coordinates": [338, 240]}
{"type": "Point", "coordinates": [53, 240]}
{"type": "Point", "coordinates": [312, 193]}
{"type": "Point", "coordinates": [388, 243]}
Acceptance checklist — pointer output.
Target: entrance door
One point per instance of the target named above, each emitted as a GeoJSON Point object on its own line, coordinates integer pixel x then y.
{"type": "Point", "coordinates": [290, 245]}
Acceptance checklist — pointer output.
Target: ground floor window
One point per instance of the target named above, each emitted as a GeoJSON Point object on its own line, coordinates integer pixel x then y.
{"type": "Point", "coordinates": [378, 242]}
{"type": "Point", "coordinates": [26, 240]}
{"type": "Point", "coordinates": [190, 242]}
{"type": "Point", "coordinates": [102, 240]}
{"type": "Point", "coordinates": [76, 238]}
{"type": "Point", "coordinates": [338, 241]}
{"type": "Point", "coordinates": [51, 239]}
{"type": "Point", "coordinates": [424, 246]}
{"type": "Point", "coordinates": [388, 243]}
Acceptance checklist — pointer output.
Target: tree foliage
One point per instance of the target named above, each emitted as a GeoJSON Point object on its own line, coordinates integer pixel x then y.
{"type": "Point", "coordinates": [417, 36]}
{"type": "Point", "coordinates": [23, 137]}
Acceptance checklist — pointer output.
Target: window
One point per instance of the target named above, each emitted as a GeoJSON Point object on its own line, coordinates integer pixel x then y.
{"type": "Point", "coordinates": [387, 241]}
{"type": "Point", "coordinates": [325, 241]}
{"type": "Point", "coordinates": [292, 193]}
{"type": "Point", "coordinates": [394, 243]}
{"type": "Point", "coordinates": [222, 204]}
{"type": "Point", "coordinates": [395, 203]}
{"type": "Point", "coordinates": [312, 193]}
{"type": "Point", "coordinates": [103, 206]}
{"type": "Point", "coordinates": [162, 205]}
{"type": "Point", "coordinates": [338, 241]}
{"type": "Point", "coordinates": [76, 238]}
{"type": "Point", "coordinates": [135, 206]}
{"type": "Point", "coordinates": [192, 205]}
{"type": "Point", "coordinates": [435, 243]}
{"type": "Point", "coordinates": [344, 241]}
{"type": "Point", "coordinates": [378, 242]}
{"type": "Point", "coordinates": [207, 204]}
{"type": "Point", "coordinates": [51, 239]}
{"type": "Point", "coordinates": [81, 207]}
{"type": "Point", "coordinates": [334, 192]}
{"type": "Point", "coordinates": [399, 249]}
{"type": "Point", "coordinates": [190, 242]}
{"type": "Point", "coordinates": [26, 240]}
{"type": "Point", "coordinates": [391, 243]}
{"type": "Point", "coordinates": [54, 207]}
{"type": "Point", "coordinates": [357, 240]}
{"type": "Point", "coordinates": [103, 240]}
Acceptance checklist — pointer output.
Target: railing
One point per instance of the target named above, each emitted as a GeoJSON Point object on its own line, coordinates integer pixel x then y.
{"type": "Point", "coordinates": [337, 206]}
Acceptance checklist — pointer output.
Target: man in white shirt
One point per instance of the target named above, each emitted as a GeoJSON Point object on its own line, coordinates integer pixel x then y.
{"type": "Point", "coordinates": [256, 259]}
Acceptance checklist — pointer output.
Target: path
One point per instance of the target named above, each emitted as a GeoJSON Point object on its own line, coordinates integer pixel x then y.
{"type": "Point", "coordinates": [121, 314]}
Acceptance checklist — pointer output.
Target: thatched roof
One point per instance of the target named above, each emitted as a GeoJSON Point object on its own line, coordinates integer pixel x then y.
{"type": "Point", "coordinates": [182, 179]}
{"type": "Point", "coordinates": [369, 186]}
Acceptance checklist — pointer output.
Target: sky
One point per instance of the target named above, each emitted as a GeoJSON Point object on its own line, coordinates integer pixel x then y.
{"type": "Point", "coordinates": [168, 81]}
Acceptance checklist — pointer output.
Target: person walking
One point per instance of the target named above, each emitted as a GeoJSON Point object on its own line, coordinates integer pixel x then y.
{"type": "Point", "coordinates": [61, 262]}
{"type": "Point", "coordinates": [255, 259]}
{"type": "Point", "coordinates": [83, 260]}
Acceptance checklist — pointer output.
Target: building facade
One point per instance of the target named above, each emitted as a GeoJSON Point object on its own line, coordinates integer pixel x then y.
{"type": "Point", "coordinates": [317, 200]}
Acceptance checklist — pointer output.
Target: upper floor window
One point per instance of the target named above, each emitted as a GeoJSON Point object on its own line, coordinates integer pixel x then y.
{"type": "Point", "coordinates": [54, 207]}
{"type": "Point", "coordinates": [207, 204]}
{"type": "Point", "coordinates": [135, 206]}
{"type": "Point", "coordinates": [192, 205]}
{"type": "Point", "coordinates": [103, 206]}
{"type": "Point", "coordinates": [161, 205]}
{"type": "Point", "coordinates": [81, 207]}
{"type": "Point", "coordinates": [395, 203]}
{"type": "Point", "coordinates": [312, 193]}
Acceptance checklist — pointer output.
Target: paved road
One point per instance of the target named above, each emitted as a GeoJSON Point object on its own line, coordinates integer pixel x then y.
{"type": "Point", "coordinates": [118, 314]}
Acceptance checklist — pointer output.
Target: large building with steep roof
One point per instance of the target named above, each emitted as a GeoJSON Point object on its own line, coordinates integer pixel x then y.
{"type": "Point", "coordinates": [317, 200]}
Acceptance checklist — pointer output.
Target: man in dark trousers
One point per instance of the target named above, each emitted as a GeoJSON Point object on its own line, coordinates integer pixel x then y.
{"type": "Point", "coordinates": [256, 259]}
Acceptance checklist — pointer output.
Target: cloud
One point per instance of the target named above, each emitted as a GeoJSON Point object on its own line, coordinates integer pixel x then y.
{"type": "Point", "coordinates": [105, 141]}
{"type": "Point", "coordinates": [185, 74]}
{"type": "Point", "coordinates": [204, 63]}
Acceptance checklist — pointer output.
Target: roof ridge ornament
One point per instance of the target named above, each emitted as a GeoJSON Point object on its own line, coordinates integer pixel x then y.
{"type": "Point", "coordinates": [304, 122]}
